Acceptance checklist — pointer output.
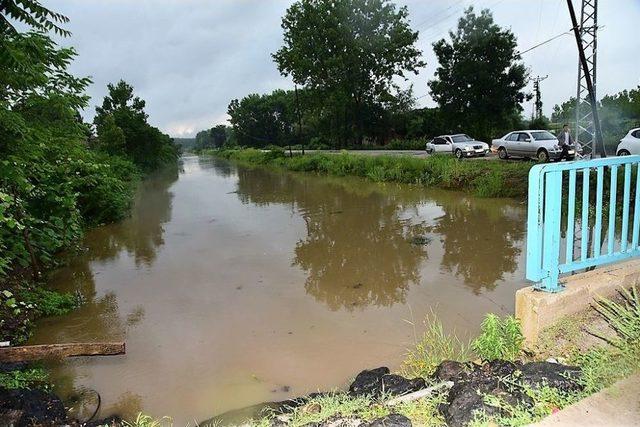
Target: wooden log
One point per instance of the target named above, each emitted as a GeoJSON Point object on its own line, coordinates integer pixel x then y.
{"type": "Point", "coordinates": [59, 351]}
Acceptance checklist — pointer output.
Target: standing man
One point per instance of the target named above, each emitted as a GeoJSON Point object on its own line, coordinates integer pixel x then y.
{"type": "Point", "coordinates": [565, 140]}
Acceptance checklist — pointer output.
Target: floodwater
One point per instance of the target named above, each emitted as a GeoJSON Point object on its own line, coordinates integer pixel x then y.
{"type": "Point", "coordinates": [234, 285]}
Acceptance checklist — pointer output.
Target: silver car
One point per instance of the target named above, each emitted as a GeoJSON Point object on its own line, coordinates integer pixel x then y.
{"type": "Point", "coordinates": [538, 144]}
{"type": "Point", "coordinates": [460, 145]}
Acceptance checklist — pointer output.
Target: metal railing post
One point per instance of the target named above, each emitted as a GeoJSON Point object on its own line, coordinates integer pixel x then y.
{"type": "Point", "coordinates": [551, 233]}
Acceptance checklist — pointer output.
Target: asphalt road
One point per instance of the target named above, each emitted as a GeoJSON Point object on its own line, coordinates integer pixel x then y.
{"type": "Point", "coordinates": [412, 153]}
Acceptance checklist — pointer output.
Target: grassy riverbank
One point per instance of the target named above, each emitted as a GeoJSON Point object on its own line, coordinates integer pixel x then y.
{"type": "Point", "coordinates": [482, 178]}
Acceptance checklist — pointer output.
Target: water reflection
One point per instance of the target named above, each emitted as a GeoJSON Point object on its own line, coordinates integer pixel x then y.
{"type": "Point", "coordinates": [482, 240]}
{"type": "Point", "coordinates": [232, 282]}
{"type": "Point", "coordinates": [142, 233]}
{"type": "Point", "coordinates": [358, 248]}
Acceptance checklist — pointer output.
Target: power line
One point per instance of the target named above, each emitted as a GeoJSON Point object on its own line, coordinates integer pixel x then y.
{"type": "Point", "coordinates": [545, 42]}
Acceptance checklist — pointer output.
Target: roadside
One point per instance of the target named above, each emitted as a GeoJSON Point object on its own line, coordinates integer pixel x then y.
{"type": "Point", "coordinates": [410, 153]}
{"type": "Point", "coordinates": [482, 178]}
{"type": "Point", "coordinates": [618, 405]}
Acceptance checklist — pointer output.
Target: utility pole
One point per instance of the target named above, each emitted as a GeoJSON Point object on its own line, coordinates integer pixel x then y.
{"type": "Point", "coordinates": [588, 132]}
{"type": "Point", "coordinates": [299, 119]}
{"type": "Point", "coordinates": [538, 102]}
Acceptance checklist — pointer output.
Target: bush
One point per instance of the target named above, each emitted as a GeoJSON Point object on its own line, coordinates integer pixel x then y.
{"type": "Point", "coordinates": [498, 339]}
{"type": "Point", "coordinates": [434, 347]}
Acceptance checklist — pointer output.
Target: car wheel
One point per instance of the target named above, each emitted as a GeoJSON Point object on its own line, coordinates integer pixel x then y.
{"type": "Point", "coordinates": [429, 151]}
{"type": "Point", "coordinates": [458, 154]}
{"type": "Point", "coordinates": [624, 153]}
{"type": "Point", "coordinates": [502, 153]}
{"type": "Point", "coordinates": [543, 156]}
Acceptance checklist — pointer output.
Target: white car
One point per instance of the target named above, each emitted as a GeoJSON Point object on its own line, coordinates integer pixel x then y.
{"type": "Point", "coordinates": [460, 145]}
{"type": "Point", "coordinates": [537, 144]}
{"type": "Point", "coordinates": [630, 144]}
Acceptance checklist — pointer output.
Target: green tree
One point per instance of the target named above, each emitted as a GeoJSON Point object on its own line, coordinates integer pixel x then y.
{"type": "Point", "coordinates": [50, 183]}
{"type": "Point", "coordinates": [479, 83]}
{"type": "Point", "coordinates": [347, 53]}
{"type": "Point", "coordinates": [261, 120]}
{"type": "Point", "coordinates": [144, 144]}
{"type": "Point", "coordinates": [32, 14]}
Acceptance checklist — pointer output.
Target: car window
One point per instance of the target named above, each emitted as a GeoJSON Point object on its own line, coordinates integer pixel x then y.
{"type": "Point", "coordinates": [461, 138]}
{"type": "Point", "coordinates": [523, 136]}
{"type": "Point", "coordinates": [439, 141]}
{"type": "Point", "coordinates": [512, 137]}
{"type": "Point", "coordinates": [636, 134]}
{"type": "Point", "coordinates": [543, 136]}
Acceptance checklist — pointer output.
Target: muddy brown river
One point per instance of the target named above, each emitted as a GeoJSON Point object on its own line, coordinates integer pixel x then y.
{"type": "Point", "coordinates": [235, 285]}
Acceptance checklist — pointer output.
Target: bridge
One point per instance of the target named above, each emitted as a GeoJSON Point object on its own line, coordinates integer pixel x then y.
{"type": "Point", "coordinates": [583, 220]}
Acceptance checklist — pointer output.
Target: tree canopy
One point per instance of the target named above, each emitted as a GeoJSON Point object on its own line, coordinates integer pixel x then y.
{"type": "Point", "coordinates": [347, 53]}
{"type": "Point", "coordinates": [122, 127]}
{"type": "Point", "coordinates": [479, 83]}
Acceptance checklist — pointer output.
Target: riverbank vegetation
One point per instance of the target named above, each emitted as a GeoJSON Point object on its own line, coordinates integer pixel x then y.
{"type": "Point", "coordinates": [598, 364]}
{"type": "Point", "coordinates": [485, 179]}
{"type": "Point", "coordinates": [58, 173]}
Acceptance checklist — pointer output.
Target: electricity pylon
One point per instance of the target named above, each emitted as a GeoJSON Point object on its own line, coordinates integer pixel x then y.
{"type": "Point", "coordinates": [588, 132]}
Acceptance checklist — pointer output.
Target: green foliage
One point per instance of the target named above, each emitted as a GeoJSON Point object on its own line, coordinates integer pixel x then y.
{"type": "Point", "coordinates": [123, 130]}
{"type": "Point", "coordinates": [144, 420]}
{"type": "Point", "coordinates": [499, 338]}
{"type": "Point", "coordinates": [434, 347]}
{"type": "Point", "coordinates": [346, 54]}
{"type": "Point", "coordinates": [319, 409]}
{"type": "Point", "coordinates": [216, 137]}
{"type": "Point", "coordinates": [446, 172]}
{"type": "Point", "coordinates": [32, 14]}
{"type": "Point", "coordinates": [24, 378]}
{"type": "Point", "coordinates": [623, 317]}
{"type": "Point", "coordinates": [50, 303]}
{"type": "Point", "coordinates": [479, 81]}
{"type": "Point", "coordinates": [619, 113]}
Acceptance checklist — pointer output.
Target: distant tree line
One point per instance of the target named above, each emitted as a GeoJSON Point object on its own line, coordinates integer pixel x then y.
{"type": "Point", "coordinates": [618, 113]}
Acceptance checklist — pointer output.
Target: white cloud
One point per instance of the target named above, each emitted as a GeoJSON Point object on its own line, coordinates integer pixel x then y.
{"type": "Point", "coordinates": [189, 58]}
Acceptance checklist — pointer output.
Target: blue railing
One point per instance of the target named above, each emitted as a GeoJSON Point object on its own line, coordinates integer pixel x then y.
{"type": "Point", "coordinates": [553, 212]}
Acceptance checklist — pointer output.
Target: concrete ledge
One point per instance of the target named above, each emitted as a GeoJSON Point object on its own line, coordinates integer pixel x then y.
{"type": "Point", "coordinates": [538, 310]}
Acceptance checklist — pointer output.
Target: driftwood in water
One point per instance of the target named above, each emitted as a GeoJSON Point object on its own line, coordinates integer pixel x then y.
{"type": "Point", "coordinates": [59, 351]}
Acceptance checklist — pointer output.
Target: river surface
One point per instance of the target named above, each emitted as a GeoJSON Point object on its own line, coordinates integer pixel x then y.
{"type": "Point", "coordinates": [235, 285]}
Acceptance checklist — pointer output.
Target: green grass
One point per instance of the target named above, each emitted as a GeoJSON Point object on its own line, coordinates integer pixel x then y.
{"type": "Point", "coordinates": [431, 349]}
{"type": "Point", "coordinates": [35, 377]}
{"type": "Point", "coordinates": [483, 178]}
{"type": "Point", "coordinates": [499, 338]}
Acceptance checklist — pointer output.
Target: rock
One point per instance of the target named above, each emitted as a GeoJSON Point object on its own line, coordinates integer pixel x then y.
{"type": "Point", "coordinates": [467, 396]}
{"type": "Point", "coordinates": [562, 377]}
{"type": "Point", "coordinates": [28, 407]}
{"type": "Point", "coordinates": [376, 382]}
{"type": "Point", "coordinates": [391, 420]}
{"type": "Point", "coordinates": [395, 385]}
{"type": "Point", "coordinates": [449, 370]}
{"type": "Point", "coordinates": [368, 381]}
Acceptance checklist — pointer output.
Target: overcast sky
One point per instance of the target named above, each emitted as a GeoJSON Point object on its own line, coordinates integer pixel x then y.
{"type": "Point", "coordinates": [189, 58]}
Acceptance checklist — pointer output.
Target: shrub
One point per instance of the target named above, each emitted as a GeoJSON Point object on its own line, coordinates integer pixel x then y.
{"type": "Point", "coordinates": [24, 378]}
{"type": "Point", "coordinates": [623, 317]}
{"type": "Point", "coordinates": [499, 338]}
{"type": "Point", "coordinates": [434, 347]}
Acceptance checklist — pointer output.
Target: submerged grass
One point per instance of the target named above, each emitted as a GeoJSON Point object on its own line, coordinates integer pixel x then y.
{"type": "Point", "coordinates": [483, 178]}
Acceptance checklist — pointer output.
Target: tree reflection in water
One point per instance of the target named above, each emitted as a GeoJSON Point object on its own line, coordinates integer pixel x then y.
{"type": "Point", "coordinates": [357, 250]}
